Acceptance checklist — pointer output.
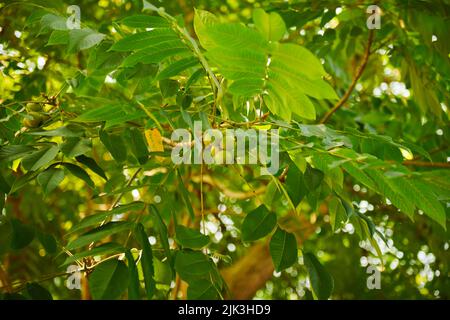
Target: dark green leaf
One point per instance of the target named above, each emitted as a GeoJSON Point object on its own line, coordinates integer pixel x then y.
{"type": "Point", "coordinates": [38, 159]}
{"type": "Point", "coordinates": [190, 238]}
{"type": "Point", "coordinates": [37, 292]}
{"type": "Point", "coordinates": [109, 280]}
{"type": "Point", "coordinates": [48, 242]}
{"type": "Point", "coordinates": [79, 173]}
{"type": "Point", "coordinates": [99, 233]}
{"type": "Point", "coordinates": [283, 249]}
{"type": "Point", "coordinates": [146, 260]}
{"type": "Point", "coordinates": [321, 281]}
{"type": "Point", "coordinates": [22, 235]}
{"type": "Point", "coordinates": [133, 284]}
{"type": "Point", "coordinates": [92, 164]}
{"type": "Point", "coordinates": [50, 179]}
{"type": "Point", "coordinates": [258, 223]}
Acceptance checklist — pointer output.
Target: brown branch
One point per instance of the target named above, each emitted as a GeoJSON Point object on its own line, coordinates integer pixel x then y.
{"type": "Point", "coordinates": [425, 164]}
{"type": "Point", "coordinates": [357, 76]}
{"type": "Point", "coordinates": [241, 195]}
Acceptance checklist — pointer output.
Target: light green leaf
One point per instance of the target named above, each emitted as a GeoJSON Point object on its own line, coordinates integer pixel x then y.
{"type": "Point", "coordinates": [142, 40]}
{"type": "Point", "coordinates": [144, 21]}
{"type": "Point", "coordinates": [271, 25]}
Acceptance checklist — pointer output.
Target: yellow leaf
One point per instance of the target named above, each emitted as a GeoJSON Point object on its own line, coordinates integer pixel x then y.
{"type": "Point", "coordinates": [154, 140]}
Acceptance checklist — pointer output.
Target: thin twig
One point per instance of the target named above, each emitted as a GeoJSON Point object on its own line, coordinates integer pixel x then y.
{"type": "Point", "coordinates": [357, 76]}
{"type": "Point", "coordinates": [425, 164]}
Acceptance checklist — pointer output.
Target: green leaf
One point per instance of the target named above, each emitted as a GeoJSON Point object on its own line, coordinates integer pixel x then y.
{"type": "Point", "coordinates": [146, 260]}
{"type": "Point", "coordinates": [12, 152]}
{"type": "Point", "coordinates": [296, 185]}
{"type": "Point", "coordinates": [109, 248]}
{"type": "Point", "coordinates": [338, 214]}
{"type": "Point", "coordinates": [185, 196]}
{"type": "Point", "coordinates": [313, 178]}
{"type": "Point", "coordinates": [37, 292]}
{"type": "Point", "coordinates": [138, 145]}
{"type": "Point", "coordinates": [191, 265]}
{"type": "Point", "coordinates": [112, 114]}
{"type": "Point", "coordinates": [168, 87]}
{"type": "Point", "coordinates": [48, 242]}
{"type": "Point", "coordinates": [163, 233]}
{"type": "Point", "coordinates": [69, 131]}
{"type": "Point", "coordinates": [21, 236]}
{"type": "Point", "coordinates": [258, 223]}
{"type": "Point", "coordinates": [285, 74]}
{"type": "Point", "coordinates": [142, 40]}
{"type": "Point", "coordinates": [144, 21]}
{"type": "Point", "coordinates": [79, 173]}
{"type": "Point", "coordinates": [321, 281]}
{"type": "Point", "coordinates": [394, 189]}
{"type": "Point", "coordinates": [202, 290]}
{"type": "Point", "coordinates": [99, 233]}
{"type": "Point", "coordinates": [74, 147]}
{"type": "Point", "coordinates": [427, 201]}
{"type": "Point", "coordinates": [283, 249]}
{"type": "Point", "coordinates": [109, 280]}
{"type": "Point", "coordinates": [202, 21]}
{"type": "Point", "coordinates": [58, 37]}
{"type": "Point", "coordinates": [40, 158]}
{"type": "Point", "coordinates": [115, 145]}
{"type": "Point", "coordinates": [50, 179]}
{"type": "Point", "coordinates": [99, 216]}
{"type": "Point", "coordinates": [177, 67]}
{"type": "Point", "coordinates": [52, 22]}
{"type": "Point", "coordinates": [82, 39]}
{"type": "Point", "coordinates": [157, 53]}
{"type": "Point", "coordinates": [270, 25]}
{"type": "Point", "coordinates": [190, 238]}
{"type": "Point", "coordinates": [92, 164]}
{"type": "Point", "coordinates": [133, 284]}
{"type": "Point", "coordinates": [163, 272]}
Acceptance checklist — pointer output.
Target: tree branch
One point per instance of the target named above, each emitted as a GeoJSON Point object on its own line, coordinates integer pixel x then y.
{"type": "Point", "coordinates": [357, 76]}
{"type": "Point", "coordinates": [425, 164]}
